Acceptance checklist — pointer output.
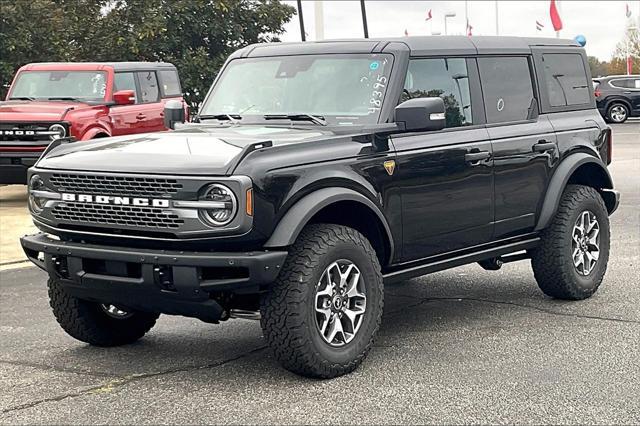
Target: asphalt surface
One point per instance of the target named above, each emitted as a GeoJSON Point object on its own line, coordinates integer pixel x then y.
{"type": "Point", "coordinates": [460, 346]}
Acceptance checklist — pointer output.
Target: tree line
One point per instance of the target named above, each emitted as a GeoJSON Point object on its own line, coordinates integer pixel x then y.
{"type": "Point", "coordinates": [195, 35]}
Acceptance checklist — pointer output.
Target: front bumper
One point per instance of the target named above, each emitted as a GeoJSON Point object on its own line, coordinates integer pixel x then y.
{"type": "Point", "coordinates": [163, 281]}
{"type": "Point", "coordinates": [14, 166]}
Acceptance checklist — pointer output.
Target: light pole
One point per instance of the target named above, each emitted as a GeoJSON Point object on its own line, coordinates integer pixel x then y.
{"type": "Point", "coordinates": [448, 15]}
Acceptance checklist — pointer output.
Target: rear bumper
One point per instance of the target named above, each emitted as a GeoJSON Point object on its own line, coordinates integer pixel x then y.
{"type": "Point", "coordinates": [171, 282]}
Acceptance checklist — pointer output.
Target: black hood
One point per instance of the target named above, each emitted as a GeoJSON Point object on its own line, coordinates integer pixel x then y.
{"type": "Point", "coordinates": [195, 150]}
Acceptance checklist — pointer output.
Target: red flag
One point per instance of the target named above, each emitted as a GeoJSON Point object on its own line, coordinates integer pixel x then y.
{"type": "Point", "coordinates": [555, 16]}
{"type": "Point", "coordinates": [629, 65]}
{"type": "Point", "coordinates": [429, 16]}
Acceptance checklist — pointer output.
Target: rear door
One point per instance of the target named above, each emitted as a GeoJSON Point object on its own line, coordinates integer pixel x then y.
{"type": "Point", "coordinates": [445, 178]}
{"type": "Point", "coordinates": [523, 142]}
{"type": "Point", "coordinates": [151, 118]}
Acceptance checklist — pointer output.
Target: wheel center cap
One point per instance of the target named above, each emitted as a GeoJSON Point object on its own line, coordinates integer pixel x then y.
{"type": "Point", "coordinates": [337, 302]}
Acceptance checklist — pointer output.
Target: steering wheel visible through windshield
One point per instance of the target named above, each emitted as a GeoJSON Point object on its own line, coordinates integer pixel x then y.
{"type": "Point", "coordinates": [342, 89]}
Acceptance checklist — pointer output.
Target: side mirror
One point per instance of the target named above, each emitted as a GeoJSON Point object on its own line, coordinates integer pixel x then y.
{"type": "Point", "coordinates": [173, 113]}
{"type": "Point", "coordinates": [124, 97]}
{"type": "Point", "coordinates": [421, 114]}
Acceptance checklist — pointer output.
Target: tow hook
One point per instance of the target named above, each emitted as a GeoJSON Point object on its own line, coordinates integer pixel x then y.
{"type": "Point", "coordinates": [492, 264]}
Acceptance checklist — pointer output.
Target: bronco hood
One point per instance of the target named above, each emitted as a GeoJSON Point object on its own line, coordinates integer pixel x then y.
{"type": "Point", "coordinates": [36, 110]}
{"type": "Point", "coordinates": [195, 150]}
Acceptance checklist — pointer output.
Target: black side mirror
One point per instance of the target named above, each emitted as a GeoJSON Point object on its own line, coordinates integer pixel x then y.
{"type": "Point", "coordinates": [421, 114]}
{"type": "Point", "coordinates": [173, 113]}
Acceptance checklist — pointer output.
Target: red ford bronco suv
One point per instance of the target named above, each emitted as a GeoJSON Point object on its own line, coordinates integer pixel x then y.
{"type": "Point", "coordinates": [84, 101]}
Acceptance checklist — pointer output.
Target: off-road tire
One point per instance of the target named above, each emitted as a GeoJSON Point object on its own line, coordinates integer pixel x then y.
{"type": "Point", "coordinates": [287, 310]}
{"type": "Point", "coordinates": [610, 110]}
{"type": "Point", "coordinates": [87, 321]}
{"type": "Point", "coordinates": [552, 261]}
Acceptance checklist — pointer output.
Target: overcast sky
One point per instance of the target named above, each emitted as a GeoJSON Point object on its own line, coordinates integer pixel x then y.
{"type": "Point", "coordinates": [601, 22]}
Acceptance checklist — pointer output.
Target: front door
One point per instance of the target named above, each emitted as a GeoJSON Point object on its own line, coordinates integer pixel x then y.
{"type": "Point", "coordinates": [445, 178]}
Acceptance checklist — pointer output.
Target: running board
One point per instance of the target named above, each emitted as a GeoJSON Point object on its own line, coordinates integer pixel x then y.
{"type": "Point", "coordinates": [452, 262]}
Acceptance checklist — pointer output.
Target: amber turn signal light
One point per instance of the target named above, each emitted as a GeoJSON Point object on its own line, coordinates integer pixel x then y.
{"type": "Point", "coordinates": [249, 204]}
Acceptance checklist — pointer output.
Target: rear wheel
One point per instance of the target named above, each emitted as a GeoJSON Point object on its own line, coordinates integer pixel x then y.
{"type": "Point", "coordinates": [324, 310]}
{"type": "Point", "coordinates": [617, 113]}
{"type": "Point", "coordinates": [95, 323]}
{"type": "Point", "coordinates": [572, 258]}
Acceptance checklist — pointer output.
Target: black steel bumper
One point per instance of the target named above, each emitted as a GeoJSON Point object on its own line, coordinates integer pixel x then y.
{"type": "Point", "coordinates": [13, 167]}
{"type": "Point", "coordinates": [171, 282]}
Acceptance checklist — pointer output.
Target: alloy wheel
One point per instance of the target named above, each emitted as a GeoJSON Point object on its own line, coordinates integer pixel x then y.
{"type": "Point", "coordinates": [585, 243]}
{"type": "Point", "coordinates": [618, 113]}
{"type": "Point", "coordinates": [340, 302]}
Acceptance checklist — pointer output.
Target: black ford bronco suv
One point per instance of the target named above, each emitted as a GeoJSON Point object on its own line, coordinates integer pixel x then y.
{"type": "Point", "coordinates": [317, 172]}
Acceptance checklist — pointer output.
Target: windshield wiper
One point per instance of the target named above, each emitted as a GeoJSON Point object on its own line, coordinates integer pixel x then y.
{"type": "Point", "coordinates": [233, 118]}
{"type": "Point", "coordinates": [63, 98]}
{"type": "Point", "coordinates": [21, 98]}
{"type": "Point", "coordinates": [315, 119]}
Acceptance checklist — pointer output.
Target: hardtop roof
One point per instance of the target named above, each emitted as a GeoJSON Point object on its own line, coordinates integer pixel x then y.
{"type": "Point", "coordinates": [417, 45]}
{"type": "Point", "coordinates": [117, 66]}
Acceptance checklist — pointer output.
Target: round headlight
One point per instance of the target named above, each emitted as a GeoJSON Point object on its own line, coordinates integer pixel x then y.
{"type": "Point", "coordinates": [36, 203]}
{"type": "Point", "coordinates": [226, 207]}
{"type": "Point", "coordinates": [60, 131]}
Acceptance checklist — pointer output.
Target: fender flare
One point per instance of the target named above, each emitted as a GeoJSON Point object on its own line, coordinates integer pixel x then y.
{"type": "Point", "coordinates": [92, 132]}
{"type": "Point", "coordinates": [559, 181]}
{"type": "Point", "coordinates": [301, 212]}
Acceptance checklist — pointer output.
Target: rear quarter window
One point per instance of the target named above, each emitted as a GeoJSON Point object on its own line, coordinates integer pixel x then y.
{"type": "Point", "coordinates": [170, 83]}
{"type": "Point", "coordinates": [566, 79]}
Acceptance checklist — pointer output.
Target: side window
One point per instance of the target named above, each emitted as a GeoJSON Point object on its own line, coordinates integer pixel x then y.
{"type": "Point", "coordinates": [446, 78]}
{"type": "Point", "coordinates": [125, 81]}
{"type": "Point", "coordinates": [506, 88]}
{"type": "Point", "coordinates": [566, 79]}
{"type": "Point", "coordinates": [170, 83]}
{"type": "Point", "coordinates": [149, 91]}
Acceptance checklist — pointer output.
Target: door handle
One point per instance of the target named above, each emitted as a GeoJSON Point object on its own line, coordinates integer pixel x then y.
{"type": "Point", "coordinates": [141, 116]}
{"type": "Point", "coordinates": [627, 93]}
{"type": "Point", "coordinates": [472, 157]}
{"type": "Point", "coordinates": [544, 145]}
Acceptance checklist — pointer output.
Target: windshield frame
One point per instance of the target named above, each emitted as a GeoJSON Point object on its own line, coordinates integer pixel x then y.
{"type": "Point", "coordinates": [103, 99]}
{"type": "Point", "coordinates": [332, 120]}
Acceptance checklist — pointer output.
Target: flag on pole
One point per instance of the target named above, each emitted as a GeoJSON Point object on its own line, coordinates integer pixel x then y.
{"type": "Point", "coordinates": [406, 33]}
{"type": "Point", "coordinates": [555, 16]}
{"type": "Point", "coordinates": [469, 29]}
{"type": "Point", "coordinates": [627, 12]}
{"type": "Point", "coordinates": [629, 65]}
{"type": "Point", "coordinates": [539, 26]}
{"type": "Point", "coordinates": [429, 15]}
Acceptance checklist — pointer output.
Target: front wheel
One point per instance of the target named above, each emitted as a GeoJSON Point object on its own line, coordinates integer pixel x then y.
{"type": "Point", "coordinates": [572, 258]}
{"type": "Point", "coordinates": [322, 313]}
{"type": "Point", "coordinates": [95, 323]}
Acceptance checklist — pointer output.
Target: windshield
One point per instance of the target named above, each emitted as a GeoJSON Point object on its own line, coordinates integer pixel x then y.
{"type": "Point", "coordinates": [81, 85]}
{"type": "Point", "coordinates": [341, 89]}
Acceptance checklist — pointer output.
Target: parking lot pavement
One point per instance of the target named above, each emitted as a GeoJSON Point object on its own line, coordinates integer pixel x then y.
{"type": "Point", "coordinates": [460, 346]}
{"type": "Point", "coordinates": [14, 222]}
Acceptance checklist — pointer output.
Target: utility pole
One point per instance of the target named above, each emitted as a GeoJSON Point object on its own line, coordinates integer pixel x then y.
{"type": "Point", "coordinates": [497, 25]}
{"type": "Point", "coordinates": [302, 34]}
{"type": "Point", "coordinates": [319, 16]}
{"type": "Point", "coordinates": [364, 19]}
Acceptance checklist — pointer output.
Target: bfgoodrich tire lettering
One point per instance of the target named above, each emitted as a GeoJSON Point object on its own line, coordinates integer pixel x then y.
{"type": "Point", "coordinates": [90, 323]}
{"type": "Point", "coordinates": [553, 262]}
{"type": "Point", "coordinates": [288, 311]}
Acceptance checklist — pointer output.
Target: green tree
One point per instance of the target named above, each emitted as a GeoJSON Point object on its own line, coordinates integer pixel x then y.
{"type": "Point", "coordinates": [629, 45]}
{"type": "Point", "coordinates": [195, 35]}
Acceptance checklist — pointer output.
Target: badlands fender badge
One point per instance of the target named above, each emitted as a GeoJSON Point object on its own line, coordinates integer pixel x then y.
{"type": "Point", "coordinates": [390, 166]}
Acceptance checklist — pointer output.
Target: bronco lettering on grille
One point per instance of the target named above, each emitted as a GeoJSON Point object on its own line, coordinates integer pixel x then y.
{"type": "Point", "coordinates": [121, 201]}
